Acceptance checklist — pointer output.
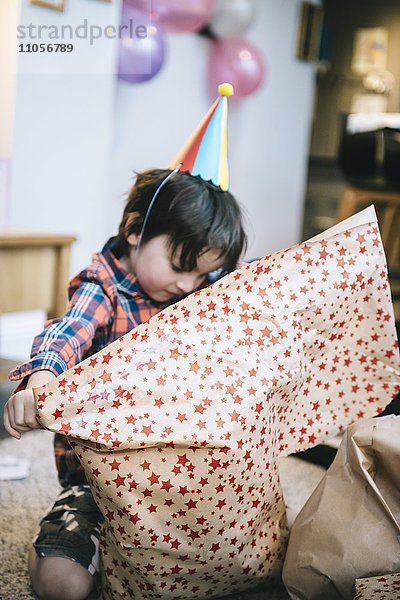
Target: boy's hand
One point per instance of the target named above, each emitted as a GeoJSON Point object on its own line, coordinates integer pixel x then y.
{"type": "Point", "coordinates": [20, 409]}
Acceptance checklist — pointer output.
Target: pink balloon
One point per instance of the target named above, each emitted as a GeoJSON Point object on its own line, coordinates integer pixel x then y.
{"type": "Point", "coordinates": [178, 16]}
{"type": "Point", "coordinates": [141, 48]}
{"type": "Point", "coordinates": [238, 62]}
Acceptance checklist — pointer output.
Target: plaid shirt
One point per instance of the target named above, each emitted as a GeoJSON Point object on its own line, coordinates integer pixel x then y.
{"type": "Point", "coordinates": [105, 302]}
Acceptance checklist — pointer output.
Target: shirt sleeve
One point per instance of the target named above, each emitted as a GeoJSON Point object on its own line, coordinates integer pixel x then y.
{"type": "Point", "coordinates": [64, 341]}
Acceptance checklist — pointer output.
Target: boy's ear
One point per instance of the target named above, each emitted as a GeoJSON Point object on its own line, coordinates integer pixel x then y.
{"type": "Point", "coordinates": [131, 238]}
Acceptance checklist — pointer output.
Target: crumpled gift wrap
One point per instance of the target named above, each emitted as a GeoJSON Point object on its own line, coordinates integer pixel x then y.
{"type": "Point", "coordinates": [180, 422]}
{"type": "Point", "coordinates": [350, 526]}
{"type": "Point", "coordinates": [383, 587]}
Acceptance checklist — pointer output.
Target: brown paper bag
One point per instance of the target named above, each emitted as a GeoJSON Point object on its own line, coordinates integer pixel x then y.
{"type": "Point", "coordinates": [350, 526]}
{"type": "Point", "coordinates": [179, 424]}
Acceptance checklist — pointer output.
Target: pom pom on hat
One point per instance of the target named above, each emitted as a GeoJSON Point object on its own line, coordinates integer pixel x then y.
{"type": "Point", "coordinates": [226, 89]}
{"type": "Point", "coordinates": [205, 153]}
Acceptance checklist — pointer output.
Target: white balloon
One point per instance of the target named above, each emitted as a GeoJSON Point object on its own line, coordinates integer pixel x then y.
{"type": "Point", "coordinates": [231, 17]}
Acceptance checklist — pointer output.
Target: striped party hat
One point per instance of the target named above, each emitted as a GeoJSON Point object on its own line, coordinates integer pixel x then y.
{"type": "Point", "coordinates": [206, 153]}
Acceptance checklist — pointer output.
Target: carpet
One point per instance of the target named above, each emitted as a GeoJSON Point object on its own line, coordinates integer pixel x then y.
{"type": "Point", "coordinates": [23, 503]}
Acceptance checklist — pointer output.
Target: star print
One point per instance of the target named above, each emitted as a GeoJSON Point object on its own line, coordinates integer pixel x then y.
{"type": "Point", "coordinates": [202, 400]}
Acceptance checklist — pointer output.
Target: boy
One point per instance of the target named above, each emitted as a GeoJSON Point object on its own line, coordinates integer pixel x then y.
{"type": "Point", "coordinates": [178, 233]}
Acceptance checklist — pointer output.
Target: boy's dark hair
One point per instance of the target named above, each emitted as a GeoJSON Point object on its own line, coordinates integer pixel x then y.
{"type": "Point", "coordinates": [195, 215]}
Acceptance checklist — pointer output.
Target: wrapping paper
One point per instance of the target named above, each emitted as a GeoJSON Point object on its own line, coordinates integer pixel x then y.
{"type": "Point", "coordinates": [179, 423]}
{"type": "Point", "coordinates": [383, 587]}
{"type": "Point", "coordinates": [349, 528]}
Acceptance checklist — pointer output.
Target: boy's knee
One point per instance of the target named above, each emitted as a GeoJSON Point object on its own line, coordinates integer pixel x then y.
{"type": "Point", "coordinates": [55, 578]}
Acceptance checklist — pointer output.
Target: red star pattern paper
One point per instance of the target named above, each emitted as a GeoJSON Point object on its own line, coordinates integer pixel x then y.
{"type": "Point", "coordinates": [384, 587]}
{"type": "Point", "coordinates": [179, 423]}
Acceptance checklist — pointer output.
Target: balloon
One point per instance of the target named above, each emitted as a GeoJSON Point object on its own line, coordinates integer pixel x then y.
{"type": "Point", "coordinates": [178, 16]}
{"type": "Point", "coordinates": [231, 17]}
{"type": "Point", "coordinates": [237, 61]}
{"type": "Point", "coordinates": [142, 46]}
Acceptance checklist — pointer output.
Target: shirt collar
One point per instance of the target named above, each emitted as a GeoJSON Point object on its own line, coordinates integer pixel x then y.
{"type": "Point", "coordinates": [125, 282]}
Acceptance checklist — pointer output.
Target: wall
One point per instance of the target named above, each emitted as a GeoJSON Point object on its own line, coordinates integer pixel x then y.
{"type": "Point", "coordinates": [338, 85]}
{"type": "Point", "coordinates": [268, 131]}
{"type": "Point", "coordinates": [80, 134]}
{"type": "Point", "coordinates": [9, 15]}
{"type": "Point", "coordinates": [63, 130]}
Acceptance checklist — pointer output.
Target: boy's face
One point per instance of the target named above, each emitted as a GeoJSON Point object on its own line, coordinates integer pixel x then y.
{"type": "Point", "coordinates": [159, 273]}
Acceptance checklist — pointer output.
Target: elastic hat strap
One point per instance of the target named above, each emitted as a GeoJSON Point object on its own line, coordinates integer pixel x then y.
{"type": "Point", "coordinates": [146, 217]}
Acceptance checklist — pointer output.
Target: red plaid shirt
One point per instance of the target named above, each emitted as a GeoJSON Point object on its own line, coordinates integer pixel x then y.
{"type": "Point", "coordinates": [105, 302]}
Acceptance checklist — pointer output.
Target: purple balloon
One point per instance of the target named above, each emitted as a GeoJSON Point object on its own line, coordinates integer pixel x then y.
{"type": "Point", "coordinates": [141, 48]}
{"type": "Point", "coordinates": [237, 61]}
{"type": "Point", "coordinates": [178, 16]}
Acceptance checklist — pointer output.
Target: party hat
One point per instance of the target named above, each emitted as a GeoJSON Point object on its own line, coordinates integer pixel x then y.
{"type": "Point", "coordinates": [205, 153]}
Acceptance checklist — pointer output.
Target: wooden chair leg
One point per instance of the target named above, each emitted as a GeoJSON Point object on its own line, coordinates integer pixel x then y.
{"type": "Point", "coordinates": [348, 203]}
{"type": "Point", "coordinates": [388, 232]}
